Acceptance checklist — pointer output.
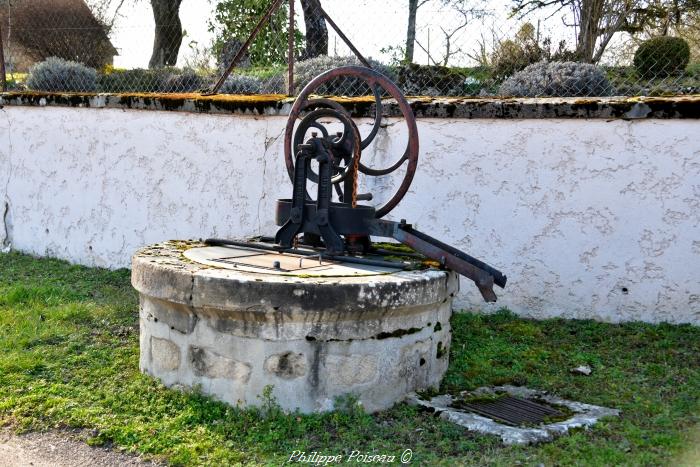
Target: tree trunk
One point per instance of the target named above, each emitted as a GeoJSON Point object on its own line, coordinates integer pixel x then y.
{"type": "Point", "coordinates": [589, 28]}
{"type": "Point", "coordinates": [316, 30]}
{"type": "Point", "coordinates": [411, 30]}
{"type": "Point", "coordinates": [168, 34]}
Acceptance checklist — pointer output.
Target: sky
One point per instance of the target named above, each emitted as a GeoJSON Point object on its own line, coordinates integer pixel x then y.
{"type": "Point", "coordinates": [370, 24]}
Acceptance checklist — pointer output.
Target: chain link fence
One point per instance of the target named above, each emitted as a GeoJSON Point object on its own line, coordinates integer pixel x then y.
{"type": "Point", "coordinates": [428, 47]}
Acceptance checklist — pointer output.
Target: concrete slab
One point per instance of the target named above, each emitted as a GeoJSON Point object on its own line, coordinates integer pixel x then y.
{"type": "Point", "coordinates": [584, 415]}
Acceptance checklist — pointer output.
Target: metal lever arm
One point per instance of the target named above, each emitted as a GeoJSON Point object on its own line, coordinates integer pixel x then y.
{"type": "Point", "coordinates": [334, 243]}
{"type": "Point", "coordinates": [483, 275]}
{"type": "Point", "coordinates": [285, 235]}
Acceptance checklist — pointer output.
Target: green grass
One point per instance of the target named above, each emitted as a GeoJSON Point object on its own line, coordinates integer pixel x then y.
{"type": "Point", "coordinates": [69, 358]}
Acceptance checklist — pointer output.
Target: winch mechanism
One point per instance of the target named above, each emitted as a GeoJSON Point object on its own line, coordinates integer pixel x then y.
{"type": "Point", "coordinates": [332, 222]}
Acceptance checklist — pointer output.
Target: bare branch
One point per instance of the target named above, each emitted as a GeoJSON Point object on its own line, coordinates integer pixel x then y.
{"type": "Point", "coordinates": [430, 58]}
{"type": "Point", "coordinates": [526, 7]}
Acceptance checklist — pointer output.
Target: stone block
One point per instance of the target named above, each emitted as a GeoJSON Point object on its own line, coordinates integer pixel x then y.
{"type": "Point", "coordinates": [412, 368]}
{"type": "Point", "coordinates": [212, 365]}
{"type": "Point", "coordinates": [351, 370]}
{"type": "Point", "coordinates": [164, 277]}
{"type": "Point", "coordinates": [288, 365]}
{"type": "Point", "coordinates": [165, 354]}
{"type": "Point", "coordinates": [179, 317]}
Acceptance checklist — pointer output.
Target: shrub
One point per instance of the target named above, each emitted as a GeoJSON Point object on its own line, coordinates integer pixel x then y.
{"type": "Point", "coordinates": [14, 83]}
{"type": "Point", "coordinates": [241, 84]}
{"type": "Point", "coordinates": [272, 79]}
{"type": "Point", "coordinates": [153, 80]}
{"type": "Point", "coordinates": [186, 80]}
{"type": "Point", "coordinates": [527, 47]}
{"type": "Point", "coordinates": [662, 57]}
{"type": "Point", "coordinates": [307, 70]}
{"type": "Point", "coordinates": [136, 80]}
{"type": "Point", "coordinates": [232, 19]}
{"type": "Point", "coordinates": [273, 85]}
{"type": "Point", "coordinates": [557, 79]}
{"type": "Point", "coordinates": [57, 74]}
{"type": "Point", "coordinates": [513, 55]}
{"type": "Point", "coordinates": [694, 70]}
{"type": "Point", "coordinates": [426, 80]}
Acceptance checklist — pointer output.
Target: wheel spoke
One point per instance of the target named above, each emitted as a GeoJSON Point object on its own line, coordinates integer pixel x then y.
{"type": "Point", "coordinates": [376, 82]}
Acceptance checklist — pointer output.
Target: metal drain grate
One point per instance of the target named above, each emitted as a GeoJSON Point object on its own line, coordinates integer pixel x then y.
{"type": "Point", "coordinates": [513, 410]}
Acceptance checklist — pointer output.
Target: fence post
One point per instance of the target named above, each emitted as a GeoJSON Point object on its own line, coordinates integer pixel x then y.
{"type": "Point", "coordinates": [2, 63]}
{"type": "Point", "coordinates": [290, 51]}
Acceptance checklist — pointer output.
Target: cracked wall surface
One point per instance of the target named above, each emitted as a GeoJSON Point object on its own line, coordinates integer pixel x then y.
{"type": "Point", "coordinates": [588, 218]}
{"type": "Point", "coordinates": [5, 176]}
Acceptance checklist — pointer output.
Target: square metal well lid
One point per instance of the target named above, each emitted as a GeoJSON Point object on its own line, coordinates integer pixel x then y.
{"type": "Point", "coordinates": [267, 262]}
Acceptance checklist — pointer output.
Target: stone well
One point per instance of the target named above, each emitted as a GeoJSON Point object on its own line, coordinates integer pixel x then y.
{"type": "Point", "coordinates": [231, 333]}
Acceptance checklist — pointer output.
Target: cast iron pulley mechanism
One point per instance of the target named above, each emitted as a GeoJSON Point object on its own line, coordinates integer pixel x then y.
{"type": "Point", "coordinates": [338, 158]}
{"type": "Point", "coordinates": [343, 146]}
{"type": "Point", "coordinates": [379, 85]}
{"type": "Point", "coordinates": [344, 227]}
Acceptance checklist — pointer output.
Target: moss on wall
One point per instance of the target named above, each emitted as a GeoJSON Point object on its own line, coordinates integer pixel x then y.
{"type": "Point", "coordinates": [423, 107]}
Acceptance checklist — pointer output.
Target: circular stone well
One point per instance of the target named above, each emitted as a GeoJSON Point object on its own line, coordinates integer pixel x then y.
{"type": "Point", "coordinates": [231, 330]}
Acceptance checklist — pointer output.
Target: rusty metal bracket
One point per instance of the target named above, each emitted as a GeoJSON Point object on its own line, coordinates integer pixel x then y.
{"type": "Point", "coordinates": [483, 275]}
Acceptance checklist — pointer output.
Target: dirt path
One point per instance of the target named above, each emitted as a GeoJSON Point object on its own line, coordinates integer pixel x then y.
{"type": "Point", "coordinates": [59, 450]}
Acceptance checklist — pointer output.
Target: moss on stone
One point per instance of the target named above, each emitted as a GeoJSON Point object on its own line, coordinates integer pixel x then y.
{"type": "Point", "coordinates": [423, 107]}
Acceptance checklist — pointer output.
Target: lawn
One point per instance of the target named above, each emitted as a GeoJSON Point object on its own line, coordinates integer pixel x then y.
{"type": "Point", "coordinates": [69, 359]}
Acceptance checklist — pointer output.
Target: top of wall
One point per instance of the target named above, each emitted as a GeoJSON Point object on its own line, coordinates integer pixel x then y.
{"type": "Point", "coordinates": [423, 107]}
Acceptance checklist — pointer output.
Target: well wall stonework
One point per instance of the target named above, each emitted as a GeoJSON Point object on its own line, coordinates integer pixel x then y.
{"type": "Point", "coordinates": [313, 340]}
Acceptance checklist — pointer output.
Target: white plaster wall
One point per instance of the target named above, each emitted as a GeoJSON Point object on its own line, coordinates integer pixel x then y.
{"type": "Point", "coordinates": [573, 211]}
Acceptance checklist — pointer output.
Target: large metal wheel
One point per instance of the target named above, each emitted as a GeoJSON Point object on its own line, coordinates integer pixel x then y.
{"type": "Point", "coordinates": [377, 83]}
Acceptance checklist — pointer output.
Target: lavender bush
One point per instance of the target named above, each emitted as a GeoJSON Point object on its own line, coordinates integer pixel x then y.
{"type": "Point", "coordinates": [58, 75]}
{"type": "Point", "coordinates": [557, 79]}
{"type": "Point", "coordinates": [307, 70]}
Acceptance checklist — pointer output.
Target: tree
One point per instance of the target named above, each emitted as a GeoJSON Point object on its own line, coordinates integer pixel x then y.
{"type": "Point", "coordinates": [106, 11]}
{"type": "Point", "coordinates": [413, 6]}
{"type": "Point", "coordinates": [168, 33]}
{"type": "Point", "coordinates": [597, 21]}
{"type": "Point", "coordinates": [168, 29]}
{"type": "Point", "coordinates": [680, 23]}
{"type": "Point", "coordinates": [316, 30]}
{"type": "Point", "coordinates": [512, 55]}
{"type": "Point", "coordinates": [233, 22]}
{"type": "Point", "coordinates": [663, 17]}
{"type": "Point", "coordinates": [465, 11]}
{"type": "Point", "coordinates": [690, 31]}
